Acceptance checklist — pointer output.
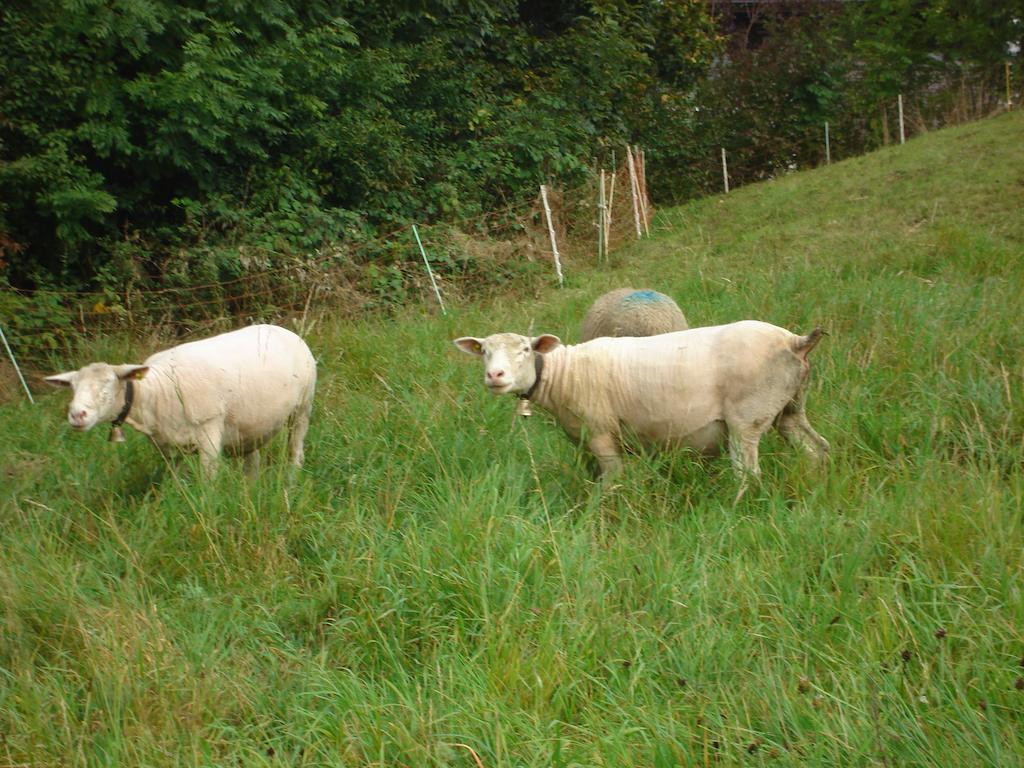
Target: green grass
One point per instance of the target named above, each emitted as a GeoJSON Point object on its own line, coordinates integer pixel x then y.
{"type": "Point", "coordinates": [444, 585]}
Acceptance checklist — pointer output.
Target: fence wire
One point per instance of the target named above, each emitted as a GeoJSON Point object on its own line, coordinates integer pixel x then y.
{"type": "Point", "coordinates": [348, 279]}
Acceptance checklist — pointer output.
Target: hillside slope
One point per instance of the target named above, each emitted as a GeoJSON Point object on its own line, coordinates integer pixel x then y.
{"type": "Point", "coordinates": [444, 586]}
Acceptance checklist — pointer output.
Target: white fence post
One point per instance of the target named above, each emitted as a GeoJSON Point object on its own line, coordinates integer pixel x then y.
{"type": "Point", "coordinates": [602, 246]}
{"type": "Point", "coordinates": [15, 364]}
{"type": "Point", "coordinates": [828, 152]}
{"type": "Point", "coordinates": [610, 208]}
{"type": "Point", "coordinates": [903, 135]}
{"type": "Point", "coordinates": [641, 188]}
{"type": "Point", "coordinates": [725, 172]}
{"type": "Point", "coordinates": [634, 191]}
{"type": "Point", "coordinates": [551, 232]}
{"type": "Point", "coordinates": [430, 272]}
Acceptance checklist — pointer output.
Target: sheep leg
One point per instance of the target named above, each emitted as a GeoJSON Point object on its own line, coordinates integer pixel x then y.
{"type": "Point", "coordinates": [208, 462]}
{"type": "Point", "coordinates": [743, 452]}
{"type": "Point", "coordinates": [606, 450]}
{"type": "Point", "coordinates": [251, 464]}
{"type": "Point", "coordinates": [297, 435]}
{"type": "Point", "coordinates": [210, 440]}
{"type": "Point", "coordinates": [793, 425]}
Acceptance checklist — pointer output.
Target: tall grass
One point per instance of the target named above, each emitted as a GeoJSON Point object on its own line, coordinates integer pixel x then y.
{"type": "Point", "coordinates": [443, 585]}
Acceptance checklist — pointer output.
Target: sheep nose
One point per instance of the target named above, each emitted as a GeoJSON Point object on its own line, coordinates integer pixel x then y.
{"type": "Point", "coordinates": [78, 416]}
{"type": "Point", "coordinates": [495, 375]}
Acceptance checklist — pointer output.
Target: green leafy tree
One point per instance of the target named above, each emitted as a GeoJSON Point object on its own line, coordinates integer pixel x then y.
{"type": "Point", "coordinates": [148, 139]}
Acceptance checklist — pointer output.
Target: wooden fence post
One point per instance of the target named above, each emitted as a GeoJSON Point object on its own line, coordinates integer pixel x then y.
{"type": "Point", "coordinates": [551, 232]}
{"type": "Point", "coordinates": [725, 172]}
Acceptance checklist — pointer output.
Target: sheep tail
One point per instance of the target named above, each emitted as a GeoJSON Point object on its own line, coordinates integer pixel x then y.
{"type": "Point", "coordinates": [803, 345]}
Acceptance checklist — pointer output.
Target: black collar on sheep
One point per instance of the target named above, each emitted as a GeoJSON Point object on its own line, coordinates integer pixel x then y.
{"type": "Point", "coordinates": [116, 435]}
{"type": "Point", "coordinates": [538, 366]}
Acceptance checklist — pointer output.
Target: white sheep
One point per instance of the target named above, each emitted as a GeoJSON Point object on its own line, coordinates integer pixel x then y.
{"type": "Point", "coordinates": [631, 312]}
{"type": "Point", "coordinates": [230, 392]}
{"type": "Point", "coordinates": [626, 312]}
{"type": "Point", "coordinates": [697, 388]}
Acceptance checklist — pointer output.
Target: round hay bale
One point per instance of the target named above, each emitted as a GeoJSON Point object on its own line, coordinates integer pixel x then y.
{"type": "Point", "coordinates": [632, 312]}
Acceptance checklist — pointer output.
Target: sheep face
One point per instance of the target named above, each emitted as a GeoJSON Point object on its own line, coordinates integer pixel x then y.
{"type": "Point", "coordinates": [98, 392]}
{"type": "Point", "coordinates": [508, 359]}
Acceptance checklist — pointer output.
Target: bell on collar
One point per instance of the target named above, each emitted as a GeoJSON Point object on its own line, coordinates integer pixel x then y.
{"type": "Point", "coordinates": [116, 435]}
{"type": "Point", "coordinates": [523, 408]}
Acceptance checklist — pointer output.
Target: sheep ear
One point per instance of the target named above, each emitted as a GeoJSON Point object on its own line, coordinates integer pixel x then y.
{"type": "Point", "coordinates": [133, 372]}
{"type": "Point", "coordinates": [470, 345]}
{"type": "Point", "coordinates": [545, 342]}
{"type": "Point", "coordinates": [61, 379]}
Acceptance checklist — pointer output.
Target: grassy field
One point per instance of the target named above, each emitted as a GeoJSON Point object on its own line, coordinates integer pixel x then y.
{"type": "Point", "coordinates": [446, 586]}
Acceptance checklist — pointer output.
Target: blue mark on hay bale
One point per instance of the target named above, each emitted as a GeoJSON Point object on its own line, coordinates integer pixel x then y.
{"type": "Point", "coordinates": [645, 297]}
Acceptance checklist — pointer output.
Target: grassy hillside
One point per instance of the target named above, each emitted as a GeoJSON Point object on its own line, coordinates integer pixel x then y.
{"type": "Point", "coordinates": [445, 586]}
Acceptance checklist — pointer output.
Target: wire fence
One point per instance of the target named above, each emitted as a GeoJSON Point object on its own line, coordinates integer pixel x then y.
{"type": "Point", "coordinates": [469, 257]}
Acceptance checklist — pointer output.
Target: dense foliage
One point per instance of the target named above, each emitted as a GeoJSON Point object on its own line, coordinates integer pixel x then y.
{"type": "Point", "coordinates": [790, 67]}
{"type": "Point", "coordinates": [288, 124]}
{"type": "Point", "coordinates": [141, 138]}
